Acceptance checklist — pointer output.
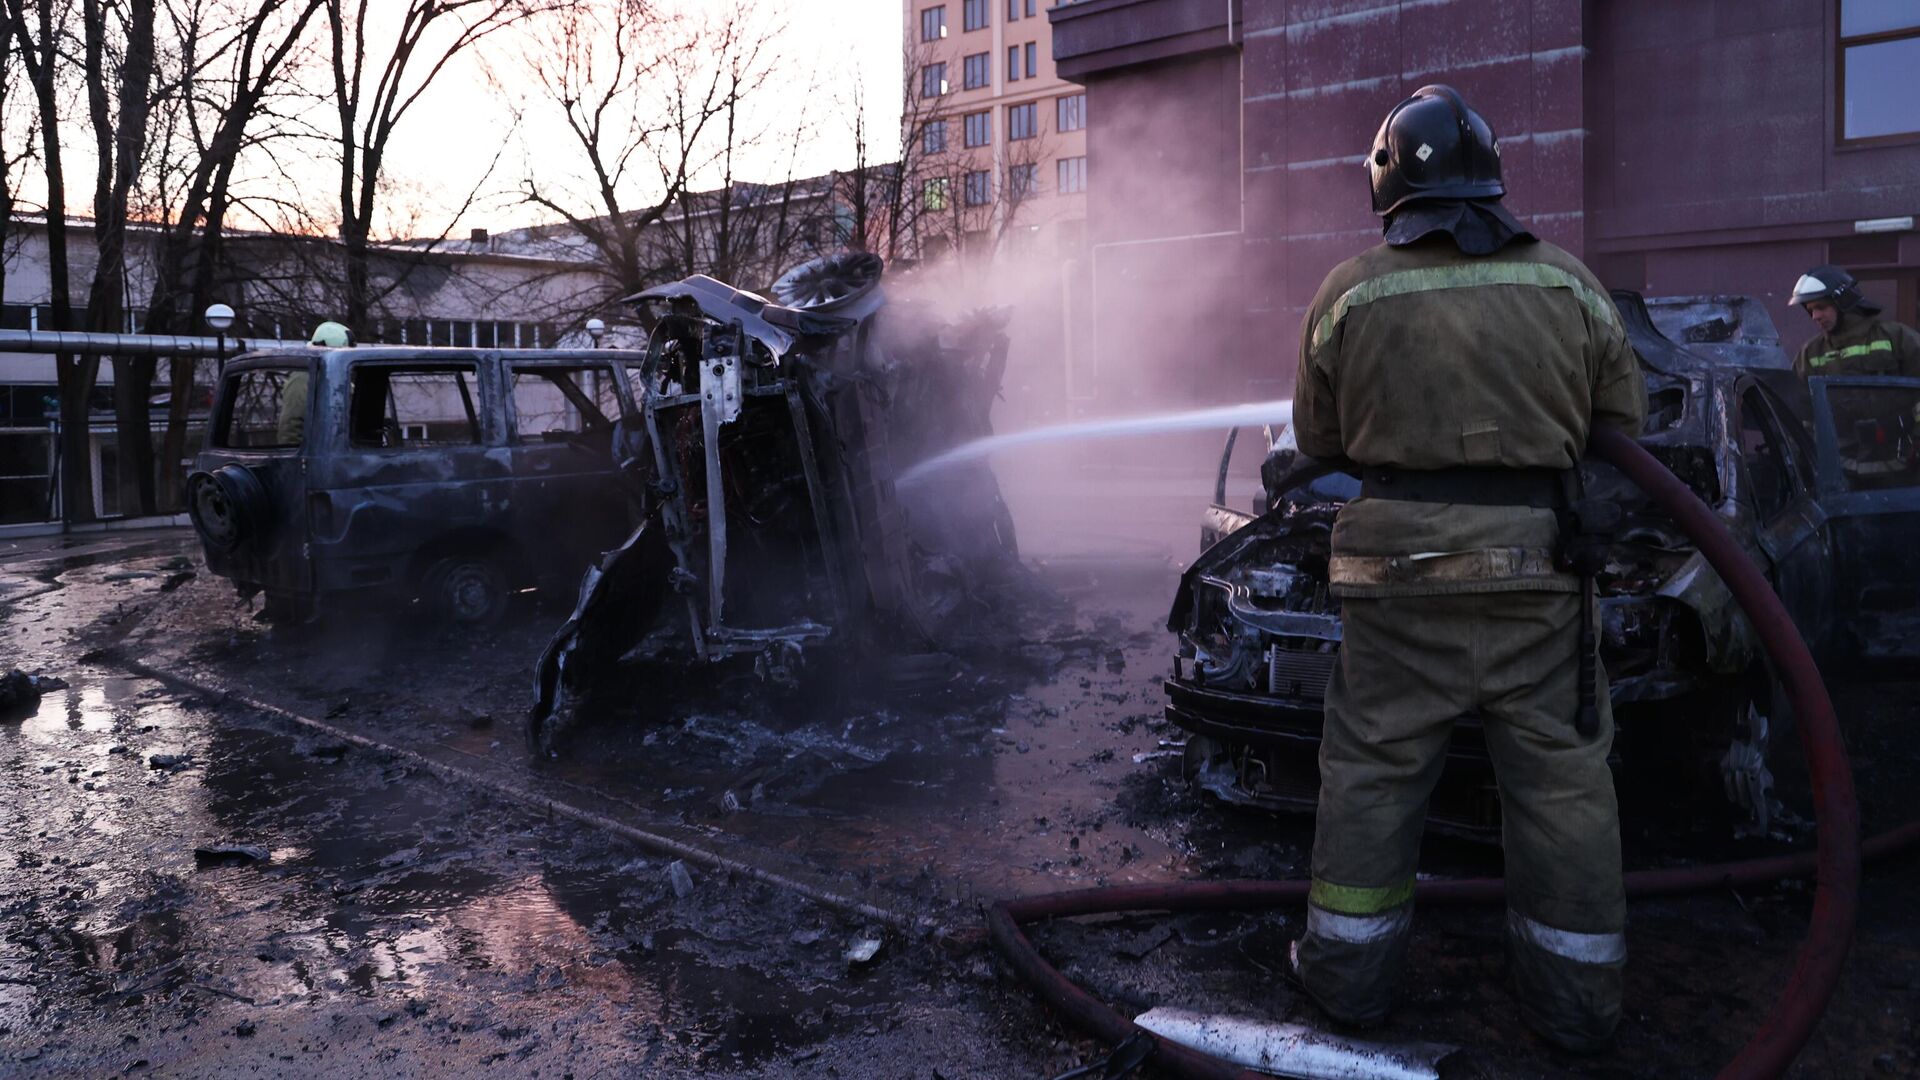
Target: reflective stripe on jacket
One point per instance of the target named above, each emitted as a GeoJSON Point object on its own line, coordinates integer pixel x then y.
{"type": "Point", "coordinates": [1861, 345]}
{"type": "Point", "coordinates": [1422, 357]}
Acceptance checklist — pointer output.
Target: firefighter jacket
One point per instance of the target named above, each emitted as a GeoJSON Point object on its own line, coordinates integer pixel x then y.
{"type": "Point", "coordinates": [1421, 357]}
{"type": "Point", "coordinates": [1861, 345]}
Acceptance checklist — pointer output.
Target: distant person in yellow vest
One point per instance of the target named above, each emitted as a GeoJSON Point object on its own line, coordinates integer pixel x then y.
{"type": "Point", "coordinates": [1853, 339]}
{"type": "Point", "coordinates": [292, 424]}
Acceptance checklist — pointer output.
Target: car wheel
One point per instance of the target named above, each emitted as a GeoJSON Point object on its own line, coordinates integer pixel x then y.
{"type": "Point", "coordinates": [228, 506]}
{"type": "Point", "coordinates": [466, 590]}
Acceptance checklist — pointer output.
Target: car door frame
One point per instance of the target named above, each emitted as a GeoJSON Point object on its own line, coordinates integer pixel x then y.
{"type": "Point", "coordinates": [1837, 502]}
{"type": "Point", "coordinates": [566, 481]}
{"type": "Point", "coordinates": [281, 565]}
{"type": "Point", "coordinates": [1795, 539]}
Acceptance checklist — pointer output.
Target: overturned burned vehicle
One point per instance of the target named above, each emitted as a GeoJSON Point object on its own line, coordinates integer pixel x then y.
{"type": "Point", "coordinates": [765, 445]}
{"type": "Point", "coordinates": [1819, 480]}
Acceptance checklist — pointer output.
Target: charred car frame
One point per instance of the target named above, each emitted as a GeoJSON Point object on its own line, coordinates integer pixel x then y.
{"type": "Point", "coordinates": [434, 472]}
{"type": "Point", "coordinates": [766, 443]}
{"type": "Point", "coordinates": [1820, 481]}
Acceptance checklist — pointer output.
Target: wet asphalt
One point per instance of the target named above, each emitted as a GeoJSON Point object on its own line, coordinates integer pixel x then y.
{"type": "Point", "coordinates": [405, 923]}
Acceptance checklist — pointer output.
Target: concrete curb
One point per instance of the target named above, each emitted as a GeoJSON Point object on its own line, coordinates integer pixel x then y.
{"type": "Point", "coordinates": [111, 525]}
{"type": "Point", "coordinates": [816, 887]}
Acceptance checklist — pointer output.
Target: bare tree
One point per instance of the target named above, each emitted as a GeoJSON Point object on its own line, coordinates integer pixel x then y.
{"type": "Point", "coordinates": [655, 99]}
{"type": "Point", "coordinates": [895, 169]}
{"type": "Point", "coordinates": [18, 144]}
{"type": "Point", "coordinates": [38, 34]}
{"type": "Point", "coordinates": [372, 95]}
{"type": "Point", "coordinates": [118, 51]}
{"type": "Point", "coordinates": [742, 230]}
{"type": "Point", "coordinates": [233, 62]}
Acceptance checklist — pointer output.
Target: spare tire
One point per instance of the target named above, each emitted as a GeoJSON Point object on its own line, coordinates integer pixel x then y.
{"type": "Point", "coordinates": [229, 506]}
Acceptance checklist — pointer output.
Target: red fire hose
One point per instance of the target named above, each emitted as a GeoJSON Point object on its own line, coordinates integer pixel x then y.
{"type": "Point", "coordinates": [1836, 863]}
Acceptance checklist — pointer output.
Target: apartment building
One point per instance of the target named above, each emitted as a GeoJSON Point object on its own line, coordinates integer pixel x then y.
{"type": "Point", "coordinates": [997, 140]}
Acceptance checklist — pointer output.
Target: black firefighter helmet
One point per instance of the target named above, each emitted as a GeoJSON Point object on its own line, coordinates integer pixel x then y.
{"type": "Point", "coordinates": [1432, 146]}
{"type": "Point", "coordinates": [1834, 285]}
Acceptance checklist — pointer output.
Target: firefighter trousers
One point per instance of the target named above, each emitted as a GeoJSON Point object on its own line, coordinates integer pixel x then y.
{"type": "Point", "coordinates": [1408, 667]}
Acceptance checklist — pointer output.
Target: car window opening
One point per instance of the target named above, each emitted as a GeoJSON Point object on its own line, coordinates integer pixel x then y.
{"type": "Point", "coordinates": [269, 409]}
{"type": "Point", "coordinates": [562, 404]}
{"type": "Point", "coordinates": [412, 407]}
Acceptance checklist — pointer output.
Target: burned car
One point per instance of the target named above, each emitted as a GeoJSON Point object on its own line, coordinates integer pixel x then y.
{"type": "Point", "coordinates": [766, 444]}
{"type": "Point", "coordinates": [434, 473]}
{"type": "Point", "coordinates": [1819, 480]}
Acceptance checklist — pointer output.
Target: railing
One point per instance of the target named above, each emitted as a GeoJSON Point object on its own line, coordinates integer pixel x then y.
{"type": "Point", "coordinates": [30, 465]}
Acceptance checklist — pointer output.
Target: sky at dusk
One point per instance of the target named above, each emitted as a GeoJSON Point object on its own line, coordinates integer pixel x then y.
{"type": "Point", "coordinates": [830, 44]}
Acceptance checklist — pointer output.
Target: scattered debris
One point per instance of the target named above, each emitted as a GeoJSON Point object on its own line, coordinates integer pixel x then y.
{"type": "Point", "coordinates": [1294, 1049]}
{"type": "Point", "coordinates": [1125, 1059]}
{"type": "Point", "coordinates": [174, 581]}
{"type": "Point", "coordinates": [213, 855]}
{"type": "Point", "coordinates": [863, 950]}
{"type": "Point", "coordinates": [680, 877]}
{"type": "Point", "coordinates": [170, 762]}
{"type": "Point", "coordinates": [20, 692]}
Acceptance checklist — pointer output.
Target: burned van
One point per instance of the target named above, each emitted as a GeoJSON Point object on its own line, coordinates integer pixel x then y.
{"type": "Point", "coordinates": [455, 477]}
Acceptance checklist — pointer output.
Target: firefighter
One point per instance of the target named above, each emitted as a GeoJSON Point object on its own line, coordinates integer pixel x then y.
{"type": "Point", "coordinates": [1459, 366]}
{"type": "Point", "coordinates": [291, 424]}
{"type": "Point", "coordinates": [1852, 339]}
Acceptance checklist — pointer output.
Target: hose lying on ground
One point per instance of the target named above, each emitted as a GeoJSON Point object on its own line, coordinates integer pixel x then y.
{"type": "Point", "coordinates": [1836, 863]}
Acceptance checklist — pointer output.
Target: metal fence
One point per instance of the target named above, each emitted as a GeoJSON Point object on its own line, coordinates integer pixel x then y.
{"type": "Point", "coordinates": [30, 465]}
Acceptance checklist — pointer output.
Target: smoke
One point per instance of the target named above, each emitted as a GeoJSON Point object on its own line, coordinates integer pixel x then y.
{"type": "Point", "coordinates": [1153, 307]}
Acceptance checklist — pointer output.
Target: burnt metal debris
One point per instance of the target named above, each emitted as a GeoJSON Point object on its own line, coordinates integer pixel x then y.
{"type": "Point", "coordinates": [763, 452]}
{"type": "Point", "coordinates": [20, 692]}
{"type": "Point", "coordinates": [1260, 632]}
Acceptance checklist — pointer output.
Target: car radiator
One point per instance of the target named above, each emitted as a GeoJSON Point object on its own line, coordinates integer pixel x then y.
{"type": "Point", "coordinates": [1297, 673]}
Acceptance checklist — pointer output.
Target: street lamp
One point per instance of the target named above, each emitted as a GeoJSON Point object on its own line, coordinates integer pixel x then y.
{"type": "Point", "coordinates": [220, 317]}
{"type": "Point", "coordinates": [596, 329]}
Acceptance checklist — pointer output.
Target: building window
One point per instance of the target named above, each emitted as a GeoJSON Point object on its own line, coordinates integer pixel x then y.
{"type": "Point", "coordinates": [933, 24]}
{"type": "Point", "coordinates": [933, 80]}
{"type": "Point", "coordinates": [979, 188]}
{"type": "Point", "coordinates": [1022, 181]}
{"type": "Point", "coordinates": [978, 71]}
{"type": "Point", "coordinates": [933, 137]}
{"type": "Point", "coordinates": [1013, 63]}
{"type": "Point", "coordinates": [1013, 10]}
{"type": "Point", "coordinates": [1073, 175]}
{"type": "Point", "coordinates": [938, 194]}
{"type": "Point", "coordinates": [975, 14]}
{"type": "Point", "coordinates": [1879, 51]}
{"type": "Point", "coordinates": [1023, 121]}
{"type": "Point", "coordinates": [1033, 60]}
{"type": "Point", "coordinates": [979, 128]}
{"type": "Point", "coordinates": [1073, 112]}
{"type": "Point", "coordinates": [1030, 4]}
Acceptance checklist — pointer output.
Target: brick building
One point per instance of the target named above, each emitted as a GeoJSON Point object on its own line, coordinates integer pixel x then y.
{"type": "Point", "coordinates": [1679, 146]}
